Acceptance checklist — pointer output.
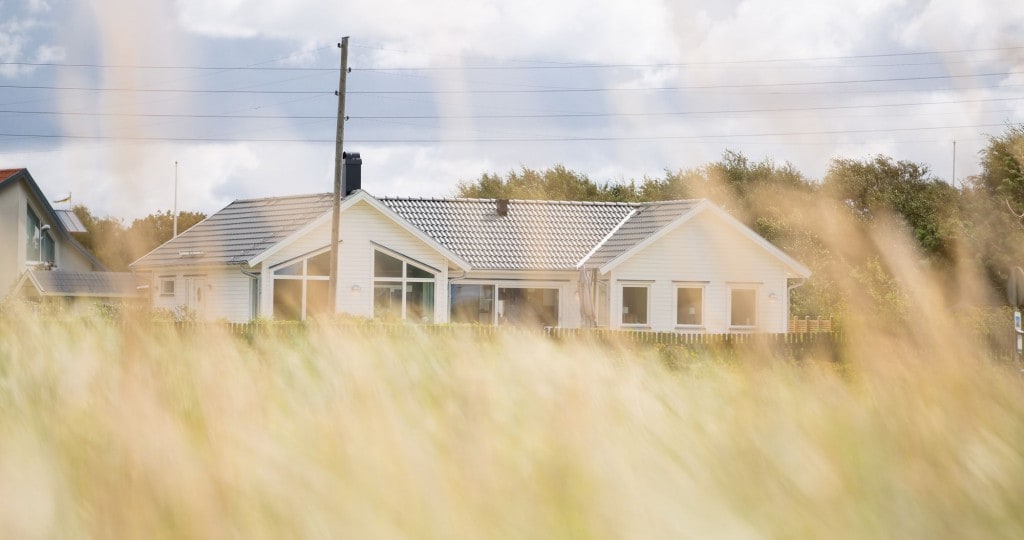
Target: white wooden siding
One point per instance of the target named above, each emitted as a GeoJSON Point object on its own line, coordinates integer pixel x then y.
{"type": "Point", "coordinates": [227, 292]}
{"type": "Point", "coordinates": [704, 250]}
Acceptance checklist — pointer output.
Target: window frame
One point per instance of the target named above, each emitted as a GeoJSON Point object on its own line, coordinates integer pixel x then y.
{"type": "Point", "coordinates": [38, 242]}
{"type": "Point", "coordinates": [646, 286]}
{"type": "Point", "coordinates": [702, 287]}
{"type": "Point", "coordinates": [303, 276]}
{"type": "Point", "coordinates": [753, 288]}
{"type": "Point", "coordinates": [404, 281]}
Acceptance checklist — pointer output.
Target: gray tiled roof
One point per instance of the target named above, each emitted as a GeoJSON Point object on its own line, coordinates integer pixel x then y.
{"type": "Point", "coordinates": [648, 219]}
{"type": "Point", "coordinates": [238, 232]}
{"type": "Point", "coordinates": [98, 284]}
{"type": "Point", "coordinates": [535, 235]}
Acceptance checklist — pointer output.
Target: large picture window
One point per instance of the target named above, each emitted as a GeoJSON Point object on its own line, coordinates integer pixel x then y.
{"type": "Point", "coordinates": [689, 306]}
{"type": "Point", "coordinates": [300, 287]}
{"type": "Point", "coordinates": [521, 306]}
{"type": "Point", "coordinates": [634, 304]}
{"type": "Point", "coordinates": [515, 306]}
{"type": "Point", "coordinates": [401, 289]}
{"type": "Point", "coordinates": [743, 307]}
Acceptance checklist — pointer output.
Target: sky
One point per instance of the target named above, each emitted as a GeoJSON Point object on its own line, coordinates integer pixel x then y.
{"type": "Point", "coordinates": [111, 100]}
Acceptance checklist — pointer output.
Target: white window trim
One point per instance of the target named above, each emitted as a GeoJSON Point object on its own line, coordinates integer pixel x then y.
{"type": "Point", "coordinates": [639, 285]}
{"type": "Point", "coordinates": [304, 259]}
{"type": "Point", "coordinates": [404, 280]}
{"type": "Point", "coordinates": [703, 286]}
{"type": "Point", "coordinates": [756, 287]}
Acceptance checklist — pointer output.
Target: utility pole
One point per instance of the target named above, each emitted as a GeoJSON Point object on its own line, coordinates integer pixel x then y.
{"type": "Point", "coordinates": [175, 235]}
{"type": "Point", "coordinates": [339, 145]}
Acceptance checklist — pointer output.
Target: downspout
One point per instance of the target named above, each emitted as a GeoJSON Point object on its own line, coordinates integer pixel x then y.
{"type": "Point", "coordinates": [256, 301]}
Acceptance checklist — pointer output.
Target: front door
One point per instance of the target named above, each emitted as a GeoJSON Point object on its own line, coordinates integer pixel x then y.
{"type": "Point", "coordinates": [195, 295]}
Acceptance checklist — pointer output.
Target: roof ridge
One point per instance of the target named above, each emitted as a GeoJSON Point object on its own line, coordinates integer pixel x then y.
{"type": "Point", "coordinates": [539, 201]}
{"type": "Point", "coordinates": [282, 197]}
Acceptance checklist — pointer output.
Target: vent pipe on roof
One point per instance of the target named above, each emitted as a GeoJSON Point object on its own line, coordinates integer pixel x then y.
{"type": "Point", "coordinates": [352, 174]}
{"type": "Point", "coordinates": [502, 208]}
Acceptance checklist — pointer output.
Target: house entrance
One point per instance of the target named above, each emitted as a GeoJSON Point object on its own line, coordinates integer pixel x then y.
{"type": "Point", "coordinates": [195, 295]}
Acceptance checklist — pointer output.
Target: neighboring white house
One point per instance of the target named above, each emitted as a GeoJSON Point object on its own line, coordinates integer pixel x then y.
{"type": "Point", "coordinates": [683, 266]}
{"type": "Point", "coordinates": [41, 259]}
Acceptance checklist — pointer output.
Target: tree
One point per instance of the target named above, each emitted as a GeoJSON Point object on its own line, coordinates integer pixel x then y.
{"type": "Point", "coordinates": [880, 185]}
{"type": "Point", "coordinates": [557, 183]}
{"type": "Point", "coordinates": [117, 246]}
{"type": "Point", "coordinates": [1002, 167]}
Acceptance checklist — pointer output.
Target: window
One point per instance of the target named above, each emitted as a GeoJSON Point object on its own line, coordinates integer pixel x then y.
{"type": "Point", "coordinates": [39, 244]}
{"type": "Point", "coordinates": [401, 290]}
{"type": "Point", "coordinates": [743, 307]}
{"type": "Point", "coordinates": [689, 306]}
{"type": "Point", "coordinates": [527, 306]}
{"type": "Point", "coordinates": [634, 304]}
{"type": "Point", "coordinates": [472, 304]}
{"type": "Point", "coordinates": [301, 287]}
{"type": "Point", "coordinates": [166, 286]}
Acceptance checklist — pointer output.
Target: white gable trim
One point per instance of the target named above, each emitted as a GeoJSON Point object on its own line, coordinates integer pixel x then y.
{"type": "Point", "coordinates": [605, 239]}
{"type": "Point", "coordinates": [797, 269]}
{"type": "Point", "coordinates": [348, 202]}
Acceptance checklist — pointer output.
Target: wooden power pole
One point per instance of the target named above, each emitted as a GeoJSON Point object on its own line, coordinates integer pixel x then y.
{"type": "Point", "coordinates": [339, 145]}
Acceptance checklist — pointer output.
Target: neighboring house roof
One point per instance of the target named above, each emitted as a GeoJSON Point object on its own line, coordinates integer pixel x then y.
{"type": "Point", "coordinates": [9, 177]}
{"type": "Point", "coordinates": [534, 235]}
{"type": "Point", "coordinates": [84, 284]}
{"type": "Point", "coordinates": [238, 232]}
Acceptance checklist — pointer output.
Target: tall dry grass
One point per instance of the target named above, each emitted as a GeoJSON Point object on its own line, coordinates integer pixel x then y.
{"type": "Point", "coordinates": [142, 432]}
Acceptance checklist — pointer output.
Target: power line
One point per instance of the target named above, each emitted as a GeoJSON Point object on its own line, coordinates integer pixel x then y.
{"type": "Point", "coordinates": [160, 90]}
{"type": "Point", "coordinates": [506, 139]}
{"type": "Point", "coordinates": [526, 116]}
{"type": "Point", "coordinates": [691, 87]}
{"type": "Point", "coordinates": [178, 68]}
{"type": "Point", "coordinates": [664, 113]}
{"type": "Point", "coordinates": [565, 65]}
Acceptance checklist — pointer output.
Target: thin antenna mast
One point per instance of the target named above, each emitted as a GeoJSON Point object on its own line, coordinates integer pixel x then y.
{"type": "Point", "coordinates": [954, 162]}
{"type": "Point", "coordinates": [175, 200]}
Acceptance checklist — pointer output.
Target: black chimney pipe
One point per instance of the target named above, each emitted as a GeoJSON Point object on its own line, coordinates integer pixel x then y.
{"type": "Point", "coordinates": [352, 177]}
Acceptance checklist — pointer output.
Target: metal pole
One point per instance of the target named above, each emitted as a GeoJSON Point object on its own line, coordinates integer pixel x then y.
{"type": "Point", "coordinates": [175, 235]}
{"type": "Point", "coordinates": [339, 145]}
{"type": "Point", "coordinates": [954, 163]}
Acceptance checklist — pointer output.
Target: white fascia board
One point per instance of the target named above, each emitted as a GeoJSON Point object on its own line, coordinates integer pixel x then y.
{"type": "Point", "coordinates": [29, 276]}
{"type": "Point", "coordinates": [605, 239]}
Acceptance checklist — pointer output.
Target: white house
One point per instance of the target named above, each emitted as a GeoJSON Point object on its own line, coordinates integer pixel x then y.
{"type": "Point", "coordinates": [683, 266]}
{"type": "Point", "coordinates": [41, 258]}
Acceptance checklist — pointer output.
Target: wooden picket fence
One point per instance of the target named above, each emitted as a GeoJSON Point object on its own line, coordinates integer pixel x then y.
{"type": "Point", "coordinates": [793, 344]}
{"type": "Point", "coordinates": [808, 325]}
